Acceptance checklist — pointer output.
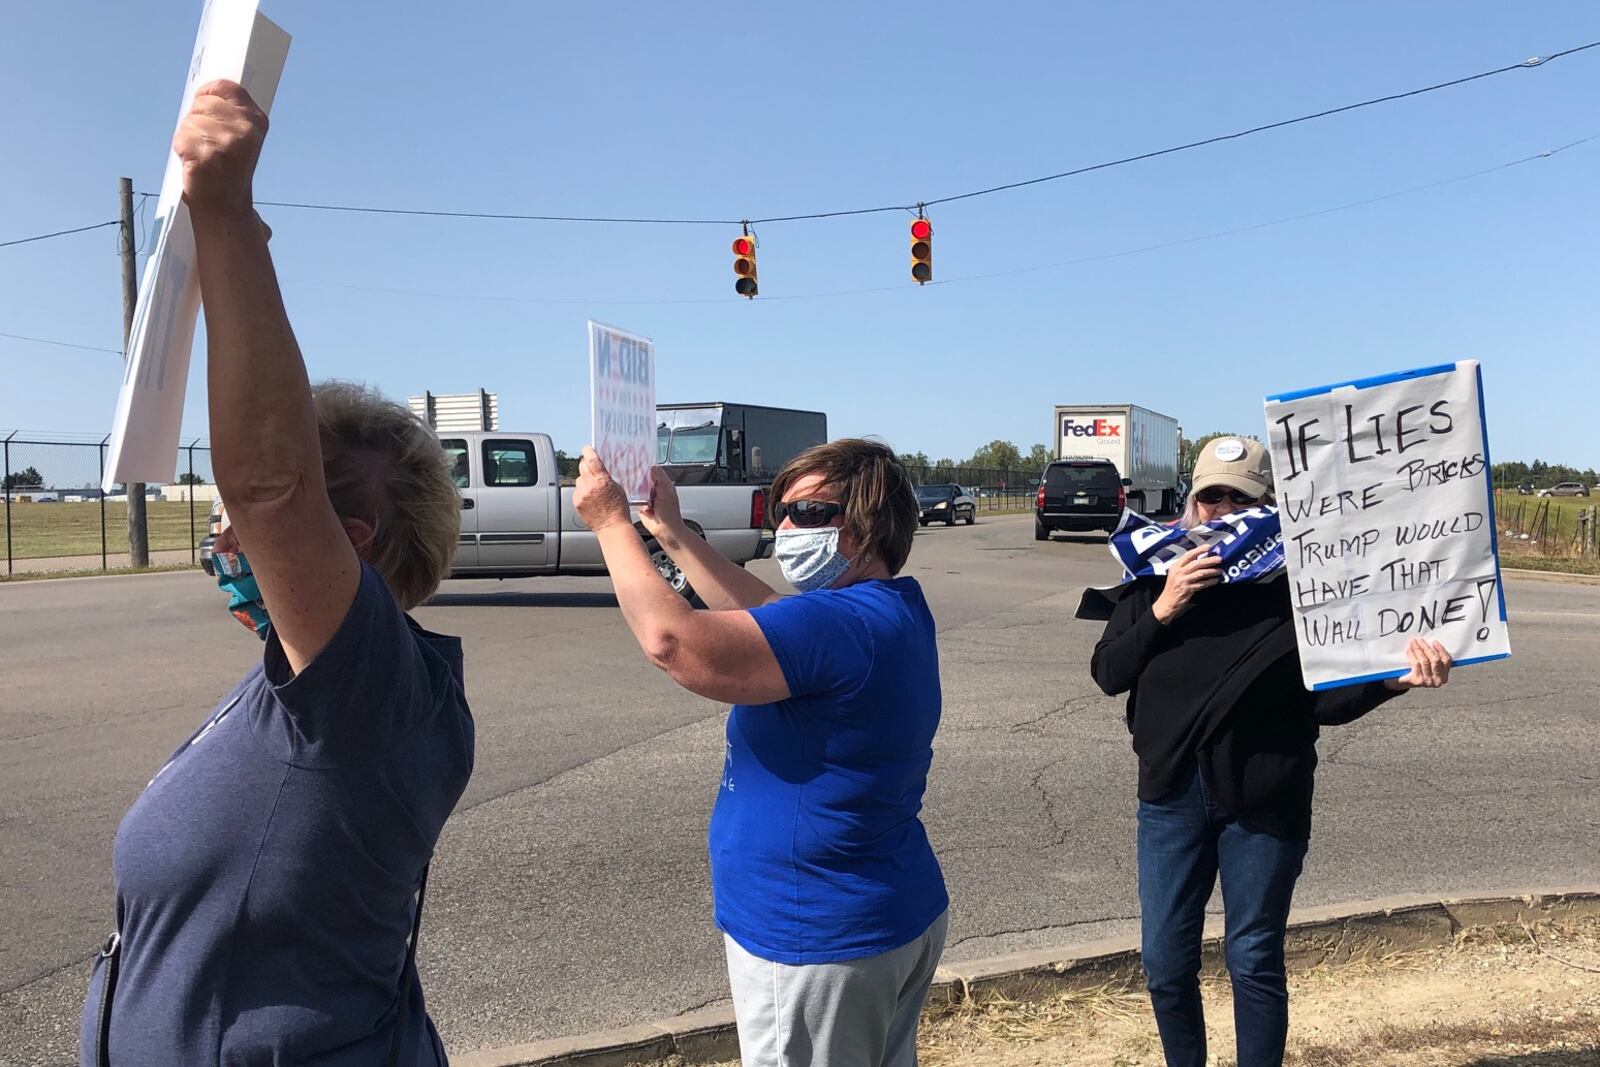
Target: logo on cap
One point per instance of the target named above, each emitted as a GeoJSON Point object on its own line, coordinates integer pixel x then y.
{"type": "Point", "coordinates": [1229, 450]}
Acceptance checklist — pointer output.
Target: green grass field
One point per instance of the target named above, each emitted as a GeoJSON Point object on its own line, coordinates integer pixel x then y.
{"type": "Point", "coordinates": [39, 531]}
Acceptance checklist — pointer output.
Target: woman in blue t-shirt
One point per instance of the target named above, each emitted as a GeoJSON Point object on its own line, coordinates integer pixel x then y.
{"type": "Point", "coordinates": [826, 889]}
{"type": "Point", "coordinates": [269, 877]}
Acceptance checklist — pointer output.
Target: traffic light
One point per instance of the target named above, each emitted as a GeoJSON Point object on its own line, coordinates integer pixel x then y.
{"type": "Point", "coordinates": [744, 266]}
{"type": "Point", "coordinates": [921, 250]}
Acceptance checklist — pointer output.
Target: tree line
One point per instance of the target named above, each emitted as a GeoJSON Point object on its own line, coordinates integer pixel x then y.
{"type": "Point", "coordinates": [1005, 456]}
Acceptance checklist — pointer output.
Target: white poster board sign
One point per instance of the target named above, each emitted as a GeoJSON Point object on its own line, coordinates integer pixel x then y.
{"type": "Point", "coordinates": [1388, 522]}
{"type": "Point", "coordinates": [236, 42]}
{"type": "Point", "coordinates": [622, 406]}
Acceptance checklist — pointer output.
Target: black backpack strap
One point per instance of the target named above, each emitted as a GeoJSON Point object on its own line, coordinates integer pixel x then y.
{"type": "Point", "coordinates": [411, 961]}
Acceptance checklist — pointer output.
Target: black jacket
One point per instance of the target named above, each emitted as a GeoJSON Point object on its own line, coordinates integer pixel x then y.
{"type": "Point", "coordinates": [1220, 687]}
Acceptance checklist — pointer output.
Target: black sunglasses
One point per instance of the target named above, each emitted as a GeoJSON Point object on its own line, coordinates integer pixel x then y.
{"type": "Point", "coordinates": [1214, 494]}
{"type": "Point", "coordinates": [810, 513]}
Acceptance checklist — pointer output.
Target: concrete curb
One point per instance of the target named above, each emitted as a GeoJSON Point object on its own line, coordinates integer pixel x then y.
{"type": "Point", "coordinates": [1317, 936]}
{"type": "Point", "coordinates": [1551, 576]}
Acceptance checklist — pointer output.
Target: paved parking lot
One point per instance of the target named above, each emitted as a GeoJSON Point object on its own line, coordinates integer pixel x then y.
{"type": "Point", "coordinates": [570, 888]}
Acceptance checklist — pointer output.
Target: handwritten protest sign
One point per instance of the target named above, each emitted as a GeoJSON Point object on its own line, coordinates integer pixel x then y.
{"type": "Point", "coordinates": [622, 406]}
{"type": "Point", "coordinates": [237, 42]}
{"type": "Point", "coordinates": [1388, 522]}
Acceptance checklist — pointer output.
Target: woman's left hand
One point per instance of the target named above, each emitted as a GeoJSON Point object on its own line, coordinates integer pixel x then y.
{"type": "Point", "coordinates": [1430, 666]}
{"type": "Point", "coordinates": [598, 500]}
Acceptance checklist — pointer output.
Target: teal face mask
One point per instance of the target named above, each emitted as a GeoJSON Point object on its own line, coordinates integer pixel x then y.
{"type": "Point", "coordinates": [244, 598]}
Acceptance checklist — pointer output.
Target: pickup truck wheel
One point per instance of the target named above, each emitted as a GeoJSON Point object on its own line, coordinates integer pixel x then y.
{"type": "Point", "coordinates": [673, 574]}
{"type": "Point", "coordinates": [1041, 532]}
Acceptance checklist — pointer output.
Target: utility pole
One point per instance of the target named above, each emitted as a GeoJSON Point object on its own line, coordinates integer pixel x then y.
{"type": "Point", "coordinates": [138, 532]}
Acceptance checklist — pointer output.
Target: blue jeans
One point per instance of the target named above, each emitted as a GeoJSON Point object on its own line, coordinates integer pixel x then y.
{"type": "Point", "coordinates": [1184, 842]}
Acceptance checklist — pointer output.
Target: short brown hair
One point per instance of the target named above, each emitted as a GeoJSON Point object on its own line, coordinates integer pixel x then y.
{"type": "Point", "coordinates": [384, 466]}
{"type": "Point", "coordinates": [880, 504]}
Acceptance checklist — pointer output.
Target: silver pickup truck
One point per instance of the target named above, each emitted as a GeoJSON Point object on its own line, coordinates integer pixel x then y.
{"type": "Point", "coordinates": [517, 519]}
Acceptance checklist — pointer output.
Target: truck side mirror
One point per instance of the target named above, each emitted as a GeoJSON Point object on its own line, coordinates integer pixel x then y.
{"type": "Point", "coordinates": [1127, 481]}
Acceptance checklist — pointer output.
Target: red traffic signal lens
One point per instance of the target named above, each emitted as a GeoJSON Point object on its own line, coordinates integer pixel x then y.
{"type": "Point", "coordinates": [920, 250]}
{"type": "Point", "coordinates": [922, 229]}
{"type": "Point", "coordinates": [743, 246]}
{"type": "Point", "coordinates": [745, 287]}
{"type": "Point", "coordinates": [921, 271]}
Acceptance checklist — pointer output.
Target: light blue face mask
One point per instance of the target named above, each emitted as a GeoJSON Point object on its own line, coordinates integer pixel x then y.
{"type": "Point", "coordinates": [810, 559]}
{"type": "Point", "coordinates": [244, 598]}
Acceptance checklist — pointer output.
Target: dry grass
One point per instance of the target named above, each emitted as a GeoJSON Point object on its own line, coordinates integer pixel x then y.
{"type": "Point", "coordinates": [96, 572]}
{"type": "Point", "coordinates": [1501, 996]}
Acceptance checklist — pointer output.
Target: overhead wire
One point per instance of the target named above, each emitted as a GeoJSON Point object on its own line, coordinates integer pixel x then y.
{"type": "Point", "coordinates": [1099, 257]}
{"type": "Point", "coordinates": [59, 233]}
{"type": "Point", "coordinates": [1527, 64]}
{"type": "Point", "coordinates": [60, 344]}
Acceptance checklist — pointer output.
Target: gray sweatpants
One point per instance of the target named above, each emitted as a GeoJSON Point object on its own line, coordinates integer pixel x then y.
{"type": "Point", "coordinates": [859, 1013]}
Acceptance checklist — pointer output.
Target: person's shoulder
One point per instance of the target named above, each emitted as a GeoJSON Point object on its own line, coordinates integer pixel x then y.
{"type": "Point", "coordinates": [877, 595]}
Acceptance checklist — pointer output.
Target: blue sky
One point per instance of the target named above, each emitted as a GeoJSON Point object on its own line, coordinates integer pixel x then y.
{"type": "Point", "coordinates": [733, 111]}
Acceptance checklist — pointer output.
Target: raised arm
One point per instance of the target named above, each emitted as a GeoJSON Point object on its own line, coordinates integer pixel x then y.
{"type": "Point", "coordinates": [264, 446]}
{"type": "Point", "coordinates": [721, 583]}
{"type": "Point", "coordinates": [721, 655]}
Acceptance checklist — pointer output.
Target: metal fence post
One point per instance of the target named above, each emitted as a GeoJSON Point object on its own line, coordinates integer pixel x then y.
{"type": "Point", "coordinates": [102, 451]}
{"type": "Point", "coordinates": [193, 549]}
{"type": "Point", "coordinates": [6, 488]}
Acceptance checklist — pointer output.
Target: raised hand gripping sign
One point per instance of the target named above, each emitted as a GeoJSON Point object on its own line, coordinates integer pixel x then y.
{"type": "Point", "coordinates": [236, 42]}
{"type": "Point", "coordinates": [622, 406]}
{"type": "Point", "coordinates": [1388, 522]}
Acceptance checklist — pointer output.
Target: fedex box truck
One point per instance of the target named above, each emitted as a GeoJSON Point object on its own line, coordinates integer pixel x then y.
{"type": "Point", "coordinates": [1142, 443]}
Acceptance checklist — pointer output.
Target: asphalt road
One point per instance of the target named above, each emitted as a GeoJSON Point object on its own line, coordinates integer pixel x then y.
{"type": "Point", "coordinates": [570, 888]}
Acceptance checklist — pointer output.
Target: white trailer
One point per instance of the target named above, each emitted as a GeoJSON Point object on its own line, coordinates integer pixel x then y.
{"type": "Point", "coordinates": [1143, 444]}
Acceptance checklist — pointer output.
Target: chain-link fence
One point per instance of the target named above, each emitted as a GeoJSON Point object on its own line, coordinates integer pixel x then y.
{"type": "Point", "coordinates": [57, 518]}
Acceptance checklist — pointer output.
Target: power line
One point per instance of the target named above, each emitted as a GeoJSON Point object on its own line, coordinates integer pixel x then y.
{"type": "Point", "coordinates": [1100, 257]}
{"type": "Point", "coordinates": [61, 344]}
{"type": "Point", "coordinates": [1537, 61]}
{"type": "Point", "coordinates": [1196, 238]}
{"type": "Point", "coordinates": [59, 233]}
{"type": "Point", "coordinates": [1273, 222]}
{"type": "Point", "coordinates": [1527, 64]}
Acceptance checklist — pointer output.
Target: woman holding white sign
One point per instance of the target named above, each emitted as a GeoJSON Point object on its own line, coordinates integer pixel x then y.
{"type": "Point", "coordinates": [1226, 735]}
{"type": "Point", "coordinates": [826, 889]}
{"type": "Point", "coordinates": [269, 877]}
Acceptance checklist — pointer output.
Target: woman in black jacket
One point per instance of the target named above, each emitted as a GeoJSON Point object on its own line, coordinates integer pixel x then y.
{"type": "Point", "coordinates": [1226, 735]}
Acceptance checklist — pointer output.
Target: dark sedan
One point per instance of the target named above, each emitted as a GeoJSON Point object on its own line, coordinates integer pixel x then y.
{"type": "Point", "coordinates": [948, 504]}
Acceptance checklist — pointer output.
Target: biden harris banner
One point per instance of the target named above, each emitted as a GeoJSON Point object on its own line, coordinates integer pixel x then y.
{"type": "Point", "coordinates": [1250, 543]}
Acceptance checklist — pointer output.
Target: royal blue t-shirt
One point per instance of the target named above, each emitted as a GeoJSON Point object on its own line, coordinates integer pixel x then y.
{"type": "Point", "coordinates": [266, 876]}
{"type": "Point", "coordinates": [817, 853]}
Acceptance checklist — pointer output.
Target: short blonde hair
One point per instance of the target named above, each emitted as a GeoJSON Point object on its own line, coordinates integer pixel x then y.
{"type": "Point", "coordinates": [385, 467]}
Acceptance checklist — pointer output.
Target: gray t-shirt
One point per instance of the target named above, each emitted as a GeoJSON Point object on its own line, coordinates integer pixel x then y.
{"type": "Point", "coordinates": [266, 876]}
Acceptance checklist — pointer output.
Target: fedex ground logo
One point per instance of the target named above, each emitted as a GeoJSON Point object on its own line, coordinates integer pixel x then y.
{"type": "Point", "coordinates": [1071, 427]}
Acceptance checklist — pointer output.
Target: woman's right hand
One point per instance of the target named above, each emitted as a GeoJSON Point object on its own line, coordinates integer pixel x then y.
{"type": "Point", "coordinates": [1191, 572]}
{"type": "Point", "coordinates": [662, 517]}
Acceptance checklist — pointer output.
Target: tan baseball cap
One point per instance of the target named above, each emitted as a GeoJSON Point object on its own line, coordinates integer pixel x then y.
{"type": "Point", "coordinates": [1240, 463]}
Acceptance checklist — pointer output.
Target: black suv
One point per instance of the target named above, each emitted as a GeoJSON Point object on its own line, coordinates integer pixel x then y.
{"type": "Point", "coordinates": [1079, 494]}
